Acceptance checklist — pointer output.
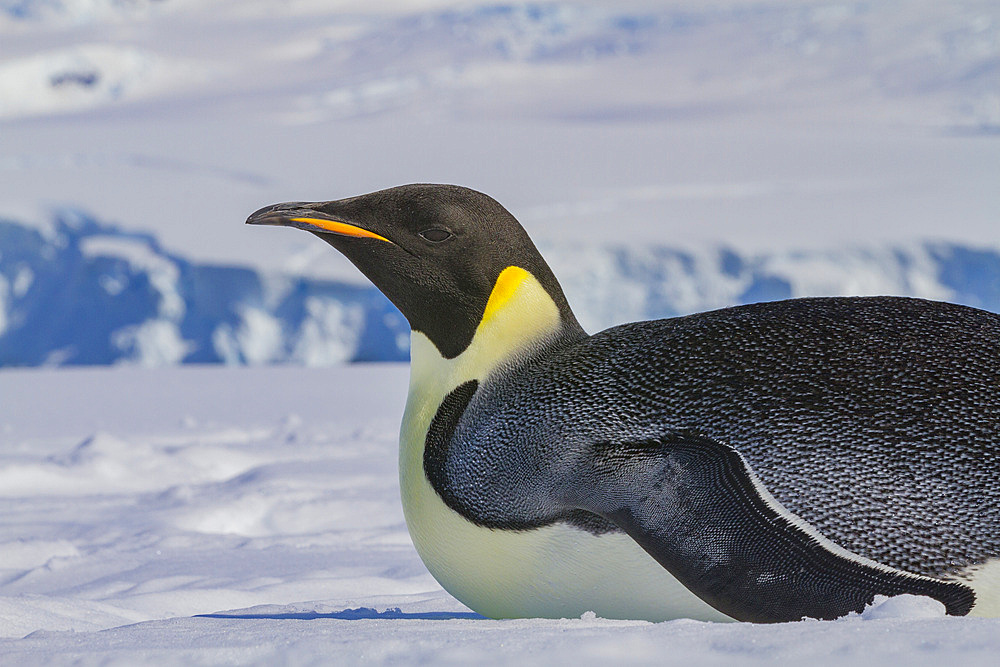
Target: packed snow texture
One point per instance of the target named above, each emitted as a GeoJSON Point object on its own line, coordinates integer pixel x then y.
{"type": "Point", "coordinates": [228, 515]}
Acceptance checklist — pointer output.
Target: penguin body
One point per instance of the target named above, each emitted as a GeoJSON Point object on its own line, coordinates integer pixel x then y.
{"type": "Point", "coordinates": [519, 573]}
{"type": "Point", "coordinates": [766, 463]}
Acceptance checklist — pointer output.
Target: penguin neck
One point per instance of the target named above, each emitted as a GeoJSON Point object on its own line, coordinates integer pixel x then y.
{"type": "Point", "coordinates": [521, 319]}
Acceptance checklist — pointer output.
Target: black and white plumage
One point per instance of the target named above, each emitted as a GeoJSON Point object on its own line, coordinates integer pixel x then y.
{"type": "Point", "coordinates": [765, 462]}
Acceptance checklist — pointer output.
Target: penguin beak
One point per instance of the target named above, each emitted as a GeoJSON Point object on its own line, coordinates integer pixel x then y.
{"type": "Point", "coordinates": [305, 216]}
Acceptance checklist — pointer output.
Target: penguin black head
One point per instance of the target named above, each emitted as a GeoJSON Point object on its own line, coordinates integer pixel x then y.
{"type": "Point", "coordinates": [436, 251]}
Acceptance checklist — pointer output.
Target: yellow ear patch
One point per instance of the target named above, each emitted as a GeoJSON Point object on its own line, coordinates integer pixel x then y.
{"type": "Point", "coordinates": [341, 228]}
{"type": "Point", "coordinates": [503, 291]}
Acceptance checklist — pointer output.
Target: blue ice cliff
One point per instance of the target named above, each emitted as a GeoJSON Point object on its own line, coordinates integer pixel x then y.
{"type": "Point", "coordinates": [85, 292]}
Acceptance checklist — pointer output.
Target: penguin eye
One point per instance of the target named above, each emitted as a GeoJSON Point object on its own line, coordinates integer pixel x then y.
{"type": "Point", "coordinates": [435, 235]}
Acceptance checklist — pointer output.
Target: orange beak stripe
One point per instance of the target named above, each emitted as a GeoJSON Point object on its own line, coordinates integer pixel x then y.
{"type": "Point", "coordinates": [341, 228]}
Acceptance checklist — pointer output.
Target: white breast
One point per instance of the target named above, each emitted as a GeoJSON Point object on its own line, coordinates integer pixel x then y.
{"type": "Point", "coordinates": [557, 571]}
{"type": "Point", "coordinates": [985, 580]}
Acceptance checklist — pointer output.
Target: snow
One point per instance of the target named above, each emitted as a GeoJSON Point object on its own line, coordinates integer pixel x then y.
{"type": "Point", "coordinates": [4, 299]}
{"type": "Point", "coordinates": [903, 606]}
{"type": "Point", "coordinates": [86, 76]}
{"type": "Point", "coordinates": [667, 157]}
{"type": "Point", "coordinates": [213, 515]}
{"type": "Point", "coordinates": [257, 339]}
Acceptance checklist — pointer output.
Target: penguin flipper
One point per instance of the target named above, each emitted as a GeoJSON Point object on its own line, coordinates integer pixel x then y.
{"type": "Point", "coordinates": [696, 506]}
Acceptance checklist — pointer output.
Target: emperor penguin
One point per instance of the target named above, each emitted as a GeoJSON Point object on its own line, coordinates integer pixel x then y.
{"type": "Point", "coordinates": [766, 462]}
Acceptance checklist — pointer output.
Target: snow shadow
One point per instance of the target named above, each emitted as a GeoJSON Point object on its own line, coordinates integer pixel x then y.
{"type": "Point", "coordinates": [359, 614]}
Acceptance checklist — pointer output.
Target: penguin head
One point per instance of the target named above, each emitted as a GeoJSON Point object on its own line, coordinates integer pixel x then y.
{"type": "Point", "coordinates": [436, 251]}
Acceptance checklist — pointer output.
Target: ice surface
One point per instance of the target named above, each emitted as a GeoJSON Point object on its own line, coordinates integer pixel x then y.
{"type": "Point", "coordinates": [202, 498]}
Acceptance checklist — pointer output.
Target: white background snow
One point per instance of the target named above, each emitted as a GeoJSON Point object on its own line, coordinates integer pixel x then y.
{"type": "Point", "coordinates": [135, 500]}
